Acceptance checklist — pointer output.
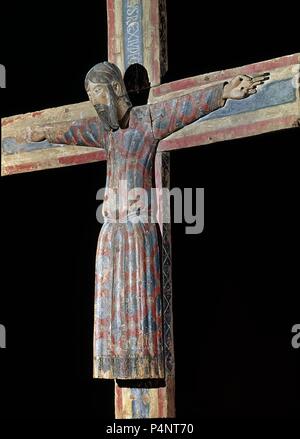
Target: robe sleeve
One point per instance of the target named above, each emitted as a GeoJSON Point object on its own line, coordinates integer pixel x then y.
{"type": "Point", "coordinates": [88, 132]}
{"type": "Point", "coordinates": [171, 115]}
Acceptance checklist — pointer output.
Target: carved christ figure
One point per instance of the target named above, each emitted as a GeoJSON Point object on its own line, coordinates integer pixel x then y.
{"type": "Point", "coordinates": [128, 338]}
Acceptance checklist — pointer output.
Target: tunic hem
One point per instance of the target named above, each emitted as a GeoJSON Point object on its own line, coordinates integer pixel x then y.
{"type": "Point", "coordinates": [128, 368]}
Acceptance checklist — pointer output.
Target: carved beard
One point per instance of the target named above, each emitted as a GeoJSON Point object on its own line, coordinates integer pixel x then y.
{"type": "Point", "coordinates": [108, 113]}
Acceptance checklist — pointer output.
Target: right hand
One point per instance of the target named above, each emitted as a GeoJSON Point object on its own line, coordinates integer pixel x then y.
{"type": "Point", "coordinates": [243, 86]}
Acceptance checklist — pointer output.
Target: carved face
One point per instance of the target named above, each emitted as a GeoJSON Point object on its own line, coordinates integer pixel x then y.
{"type": "Point", "coordinates": [105, 101]}
{"type": "Point", "coordinates": [107, 92]}
{"type": "Point", "coordinates": [105, 98]}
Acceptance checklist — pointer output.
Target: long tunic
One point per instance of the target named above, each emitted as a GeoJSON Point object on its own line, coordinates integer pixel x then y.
{"type": "Point", "coordinates": [128, 317]}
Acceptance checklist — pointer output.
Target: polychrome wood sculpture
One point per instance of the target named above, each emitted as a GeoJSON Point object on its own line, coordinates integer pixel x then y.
{"type": "Point", "coordinates": [128, 337]}
{"type": "Point", "coordinates": [133, 318]}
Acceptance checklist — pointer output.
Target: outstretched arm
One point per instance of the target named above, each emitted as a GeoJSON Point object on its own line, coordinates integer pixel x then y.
{"type": "Point", "coordinates": [88, 132]}
{"type": "Point", "coordinates": [171, 115]}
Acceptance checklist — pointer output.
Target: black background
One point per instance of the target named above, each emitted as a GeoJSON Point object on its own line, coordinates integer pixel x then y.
{"type": "Point", "coordinates": [235, 285]}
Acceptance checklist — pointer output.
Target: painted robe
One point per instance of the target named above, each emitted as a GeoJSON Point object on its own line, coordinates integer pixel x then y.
{"type": "Point", "coordinates": [128, 323]}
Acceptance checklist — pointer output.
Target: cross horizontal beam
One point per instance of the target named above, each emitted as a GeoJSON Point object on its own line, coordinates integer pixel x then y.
{"type": "Point", "coordinates": [38, 156]}
{"type": "Point", "coordinates": [276, 106]}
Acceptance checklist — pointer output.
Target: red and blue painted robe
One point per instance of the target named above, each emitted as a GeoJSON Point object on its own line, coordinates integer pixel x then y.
{"type": "Point", "coordinates": [128, 326]}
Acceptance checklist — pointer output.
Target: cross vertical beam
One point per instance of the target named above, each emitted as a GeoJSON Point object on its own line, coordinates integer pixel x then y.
{"type": "Point", "coordinates": [137, 33]}
{"type": "Point", "coordinates": [166, 397]}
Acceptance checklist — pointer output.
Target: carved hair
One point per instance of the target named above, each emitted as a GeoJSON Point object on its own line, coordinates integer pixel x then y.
{"type": "Point", "coordinates": [106, 73]}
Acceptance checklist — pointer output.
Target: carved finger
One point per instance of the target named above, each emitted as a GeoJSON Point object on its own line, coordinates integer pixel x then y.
{"type": "Point", "coordinates": [261, 77]}
{"type": "Point", "coordinates": [244, 77]}
{"type": "Point", "coordinates": [239, 80]}
{"type": "Point", "coordinates": [255, 84]}
{"type": "Point", "coordinates": [258, 81]}
{"type": "Point", "coordinates": [252, 91]}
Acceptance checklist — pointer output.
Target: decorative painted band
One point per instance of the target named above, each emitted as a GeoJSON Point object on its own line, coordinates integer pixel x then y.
{"type": "Point", "coordinates": [230, 133]}
{"type": "Point", "coordinates": [132, 18]}
{"type": "Point", "coordinates": [223, 75]}
{"type": "Point", "coordinates": [46, 163]}
{"type": "Point", "coordinates": [271, 95]}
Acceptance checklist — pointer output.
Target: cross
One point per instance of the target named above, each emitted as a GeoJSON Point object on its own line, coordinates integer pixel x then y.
{"type": "Point", "coordinates": [137, 33]}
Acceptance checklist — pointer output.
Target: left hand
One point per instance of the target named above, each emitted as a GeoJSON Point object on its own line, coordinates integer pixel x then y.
{"type": "Point", "coordinates": [243, 86]}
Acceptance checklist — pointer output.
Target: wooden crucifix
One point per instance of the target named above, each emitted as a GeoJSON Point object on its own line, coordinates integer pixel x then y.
{"type": "Point", "coordinates": [137, 34]}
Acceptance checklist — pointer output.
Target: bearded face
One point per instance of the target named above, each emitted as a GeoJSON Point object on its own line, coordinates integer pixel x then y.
{"type": "Point", "coordinates": [108, 112]}
{"type": "Point", "coordinates": [105, 101]}
{"type": "Point", "coordinates": [107, 92]}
